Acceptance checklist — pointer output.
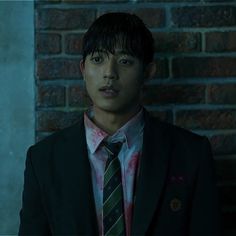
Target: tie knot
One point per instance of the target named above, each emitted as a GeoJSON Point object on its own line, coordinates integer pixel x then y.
{"type": "Point", "coordinates": [113, 148]}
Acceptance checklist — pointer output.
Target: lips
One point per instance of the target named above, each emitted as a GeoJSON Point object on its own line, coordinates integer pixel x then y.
{"type": "Point", "coordinates": [109, 88]}
{"type": "Point", "coordinates": [109, 91]}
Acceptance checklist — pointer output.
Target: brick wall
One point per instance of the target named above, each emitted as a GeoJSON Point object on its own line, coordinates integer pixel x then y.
{"type": "Point", "coordinates": [194, 87]}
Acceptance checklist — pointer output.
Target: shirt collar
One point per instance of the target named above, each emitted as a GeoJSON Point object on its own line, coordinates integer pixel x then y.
{"type": "Point", "coordinates": [130, 130]}
{"type": "Point", "coordinates": [94, 135]}
{"type": "Point", "coordinates": [127, 133]}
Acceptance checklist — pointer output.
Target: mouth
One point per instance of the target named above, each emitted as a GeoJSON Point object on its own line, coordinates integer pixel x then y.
{"type": "Point", "coordinates": [109, 91]}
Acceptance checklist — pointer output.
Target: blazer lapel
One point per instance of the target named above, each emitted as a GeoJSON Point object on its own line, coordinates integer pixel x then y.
{"type": "Point", "coordinates": [78, 180]}
{"type": "Point", "coordinates": [152, 175]}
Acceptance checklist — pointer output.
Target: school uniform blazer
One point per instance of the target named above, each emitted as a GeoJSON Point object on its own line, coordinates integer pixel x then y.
{"type": "Point", "coordinates": [175, 190]}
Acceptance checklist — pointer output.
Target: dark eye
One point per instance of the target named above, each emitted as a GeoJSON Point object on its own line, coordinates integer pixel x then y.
{"type": "Point", "coordinates": [96, 59]}
{"type": "Point", "coordinates": [125, 61]}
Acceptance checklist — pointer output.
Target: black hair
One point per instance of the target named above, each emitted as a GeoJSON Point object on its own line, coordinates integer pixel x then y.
{"type": "Point", "coordinates": [123, 29]}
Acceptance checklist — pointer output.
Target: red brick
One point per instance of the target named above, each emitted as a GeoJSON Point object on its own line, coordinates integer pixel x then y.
{"type": "Point", "coordinates": [73, 43]}
{"type": "Point", "coordinates": [204, 67]}
{"type": "Point", "coordinates": [220, 1]}
{"type": "Point", "coordinates": [60, 68]}
{"type": "Point", "coordinates": [177, 42]}
{"type": "Point", "coordinates": [51, 96]}
{"type": "Point", "coordinates": [49, 121]}
{"type": "Point", "coordinates": [225, 169]}
{"type": "Point", "coordinates": [206, 119]}
{"type": "Point", "coordinates": [181, 1]}
{"type": "Point", "coordinates": [48, 43]}
{"type": "Point", "coordinates": [221, 42]}
{"type": "Point", "coordinates": [224, 144]}
{"type": "Point", "coordinates": [152, 17]}
{"type": "Point", "coordinates": [222, 94]}
{"type": "Point", "coordinates": [207, 16]}
{"type": "Point", "coordinates": [174, 94]}
{"type": "Point", "coordinates": [162, 68]}
{"type": "Point", "coordinates": [65, 19]}
{"type": "Point", "coordinates": [94, 1]}
{"type": "Point", "coordinates": [166, 116]}
{"type": "Point", "coordinates": [47, 1]}
{"type": "Point", "coordinates": [78, 96]}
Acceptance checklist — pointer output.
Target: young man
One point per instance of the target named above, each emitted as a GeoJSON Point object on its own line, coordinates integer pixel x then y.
{"type": "Point", "coordinates": [119, 171]}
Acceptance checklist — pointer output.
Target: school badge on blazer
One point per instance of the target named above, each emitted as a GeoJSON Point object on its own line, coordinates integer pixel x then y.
{"type": "Point", "coordinates": [175, 204]}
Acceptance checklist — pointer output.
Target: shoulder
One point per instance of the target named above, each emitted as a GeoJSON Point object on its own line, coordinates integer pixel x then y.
{"type": "Point", "coordinates": [187, 150]}
{"type": "Point", "coordinates": [58, 138]}
{"type": "Point", "coordinates": [178, 136]}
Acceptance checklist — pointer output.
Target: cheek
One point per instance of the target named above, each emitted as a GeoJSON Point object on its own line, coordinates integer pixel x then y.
{"type": "Point", "coordinates": [91, 77]}
{"type": "Point", "coordinates": [132, 79]}
{"type": "Point", "coordinates": [90, 73]}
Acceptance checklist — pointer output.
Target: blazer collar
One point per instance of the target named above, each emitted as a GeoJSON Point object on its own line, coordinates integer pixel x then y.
{"type": "Point", "coordinates": [152, 174]}
{"type": "Point", "coordinates": [78, 173]}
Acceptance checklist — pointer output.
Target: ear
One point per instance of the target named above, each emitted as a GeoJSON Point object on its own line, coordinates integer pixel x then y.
{"type": "Point", "coordinates": [150, 71]}
{"type": "Point", "coordinates": [82, 67]}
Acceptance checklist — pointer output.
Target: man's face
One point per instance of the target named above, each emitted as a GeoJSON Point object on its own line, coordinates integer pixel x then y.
{"type": "Point", "coordinates": [113, 81]}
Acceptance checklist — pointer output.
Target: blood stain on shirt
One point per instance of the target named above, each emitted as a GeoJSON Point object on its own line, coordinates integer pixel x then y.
{"type": "Point", "coordinates": [133, 163]}
{"type": "Point", "coordinates": [99, 181]}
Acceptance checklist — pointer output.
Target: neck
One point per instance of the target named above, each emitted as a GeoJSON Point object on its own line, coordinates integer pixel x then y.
{"type": "Point", "coordinates": [110, 122]}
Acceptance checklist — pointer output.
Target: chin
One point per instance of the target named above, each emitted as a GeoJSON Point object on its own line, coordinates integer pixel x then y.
{"type": "Point", "coordinates": [115, 106]}
{"type": "Point", "coordinates": [111, 109]}
{"type": "Point", "coordinates": [107, 107]}
{"type": "Point", "coordinates": [116, 109]}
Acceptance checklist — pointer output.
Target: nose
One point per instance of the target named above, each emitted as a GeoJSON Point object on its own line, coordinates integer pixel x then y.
{"type": "Point", "coordinates": [110, 70]}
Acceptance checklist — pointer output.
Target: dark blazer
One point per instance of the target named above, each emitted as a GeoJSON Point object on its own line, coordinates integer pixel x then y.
{"type": "Point", "coordinates": [175, 191]}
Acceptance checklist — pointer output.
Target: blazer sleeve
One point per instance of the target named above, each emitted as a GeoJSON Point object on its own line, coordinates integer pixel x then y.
{"type": "Point", "coordinates": [33, 220]}
{"type": "Point", "coordinates": [205, 215]}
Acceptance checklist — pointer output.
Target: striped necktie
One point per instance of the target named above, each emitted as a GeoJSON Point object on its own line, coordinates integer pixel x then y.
{"type": "Point", "coordinates": [113, 204]}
